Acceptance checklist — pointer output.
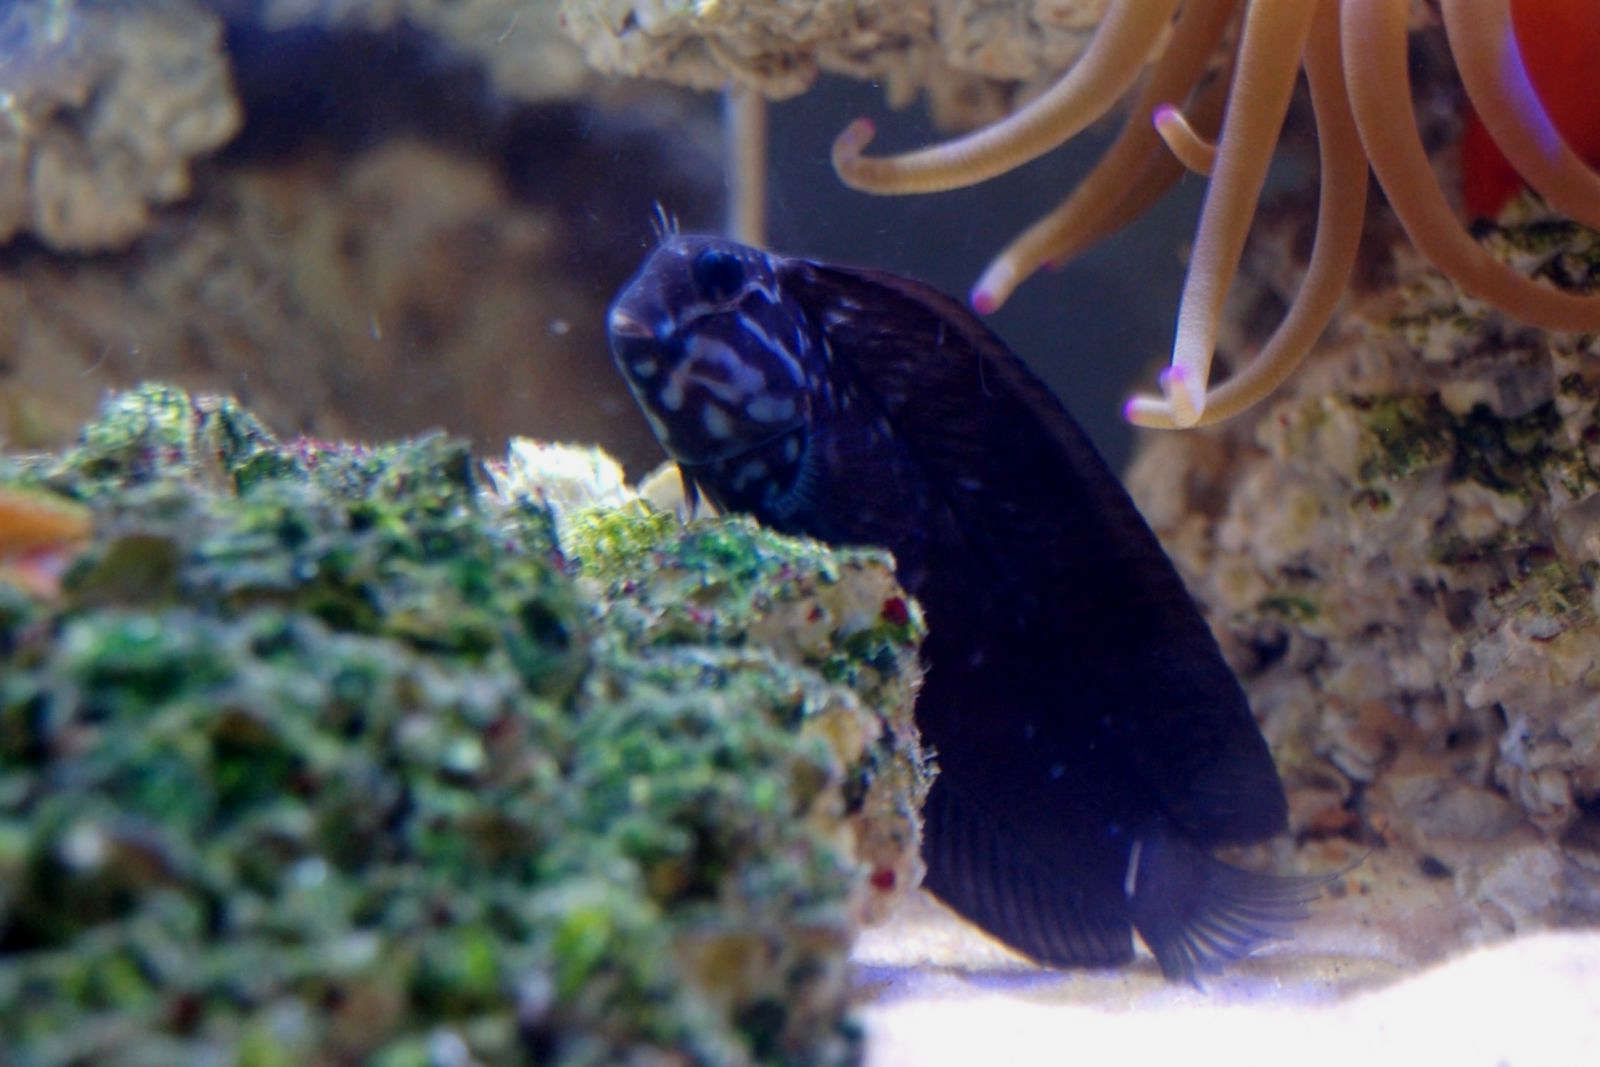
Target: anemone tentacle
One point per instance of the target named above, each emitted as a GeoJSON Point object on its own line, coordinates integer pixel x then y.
{"type": "Point", "coordinates": [1375, 52]}
{"type": "Point", "coordinates": [1135, 171]}
{"type": "Point", "coordinates": [1106, 70]}
{"type": "Point", "coordinates": [1341, 206]}
{"type": "Point", "coordinates": [1269, 58]}
{"type": "Point", "coordinates": [1194, 150]}
{"type": "Point", "coordinates": [1355, 54]}
{"type": "Point", "coordinates": [1496, 80]}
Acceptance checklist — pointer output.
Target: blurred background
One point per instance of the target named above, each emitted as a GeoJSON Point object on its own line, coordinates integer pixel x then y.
{"type": "Point", "coordinates": [369, 220]}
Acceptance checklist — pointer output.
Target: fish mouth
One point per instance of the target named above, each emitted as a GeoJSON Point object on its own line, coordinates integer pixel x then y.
{"type": "Point", "coordinates": [620, 323]}
{"type": "Point", "coordinates": [635, 325]}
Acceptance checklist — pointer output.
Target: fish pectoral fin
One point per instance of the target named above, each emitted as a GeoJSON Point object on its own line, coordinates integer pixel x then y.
{"type": "Point", "coordinates": [1197, 913]}
{"type": "Point", "coordinates": [1048, 907]}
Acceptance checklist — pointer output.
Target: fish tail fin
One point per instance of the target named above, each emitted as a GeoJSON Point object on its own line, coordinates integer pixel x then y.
{"type": "Point", "coordinates": [1197, 913]}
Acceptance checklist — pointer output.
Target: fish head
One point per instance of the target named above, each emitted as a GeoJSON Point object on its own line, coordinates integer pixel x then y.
{"type": "Point", "coordinates": [721, 361]}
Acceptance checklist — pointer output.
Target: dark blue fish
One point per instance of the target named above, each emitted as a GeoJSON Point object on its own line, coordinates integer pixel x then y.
{"type": "Point", "coordinates": [1093, 746]}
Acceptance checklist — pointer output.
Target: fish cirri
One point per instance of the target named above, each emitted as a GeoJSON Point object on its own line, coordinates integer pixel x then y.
{"type": "Point", "coordinates": [1093, 746]}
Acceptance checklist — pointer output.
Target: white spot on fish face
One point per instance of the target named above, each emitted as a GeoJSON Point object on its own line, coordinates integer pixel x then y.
{"type": "Point", "coordinates": [672, 396]}
{"type": "Point", "coordinates": [1056, 771]}
{"type": "Point", "coordinates": [969, 483]}
{"type": "Point", "coordinates": [788, 358]}
{"type": "Point", "coordinates": [769, 408]}
{"type": "Point", "coordinates": [716, 367]}
{"type": "Point", "coordinates": [645, 368]}
{"type": "Point", "coordinates": [753, 471]}
{"type": "Point", "coordinates": [719, 426]}
{"type": "Point", "coordinates": [791, 448]}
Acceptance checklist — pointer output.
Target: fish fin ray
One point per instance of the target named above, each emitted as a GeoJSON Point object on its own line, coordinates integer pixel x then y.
{"type": "Point", "coordinates": [1051, 918]}
{"type": "Point", "coordinates": [1197, 913]}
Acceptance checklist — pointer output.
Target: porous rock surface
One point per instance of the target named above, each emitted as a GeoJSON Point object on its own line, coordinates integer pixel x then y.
{"type": "Point", "coordinates": [1398, 553]}
{"type": "Point", "coordinates": [973, 58]}
{"type": "Point", "coordinates": [103, 106]}
{"type": "Point", "coordinates": [518, 41]}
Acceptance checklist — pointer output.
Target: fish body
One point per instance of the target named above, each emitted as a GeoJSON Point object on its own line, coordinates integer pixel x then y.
{"type": "Point", "coordinates": [1093, 746]}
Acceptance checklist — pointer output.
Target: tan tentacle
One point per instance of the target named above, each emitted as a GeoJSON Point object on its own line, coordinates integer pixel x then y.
{"type": "Point", "coordinates": [1111, 64]}
{"type": "Point", "coordinates": [1374, 34]}
{"type": "Point", "coordinates": [1135, 171]}
{"type": "Point", "coordinates": [1341, 207]}
{"type": "Point", "coordinates": [1197, 152]}
{"type": "Point", "coordinates": [1269, 58]}
{"type": "Point", "coordinates": [1484, 45]}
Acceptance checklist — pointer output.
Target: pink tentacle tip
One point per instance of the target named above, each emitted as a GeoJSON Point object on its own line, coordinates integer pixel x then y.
{"type": "Point", "coordinates": [1185, 402]}
{"type": "Point", "coordinates": [984, 301]}
{"type": "Point", "coordinates": [854, 137]}
{"type": "Point", "coordinates": [1130, 408]}
{"type": "Point", "coordinates": [1162, 113]}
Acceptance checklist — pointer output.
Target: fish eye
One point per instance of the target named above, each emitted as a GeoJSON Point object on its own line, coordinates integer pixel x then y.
{"type": "Point", "coordinates": [717, 274]}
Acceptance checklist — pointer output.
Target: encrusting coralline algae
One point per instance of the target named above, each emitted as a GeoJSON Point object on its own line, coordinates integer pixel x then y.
{"type": "Point", "coordinates": [326, 751]}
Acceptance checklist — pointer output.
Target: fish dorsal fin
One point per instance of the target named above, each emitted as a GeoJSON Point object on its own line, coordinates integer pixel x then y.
{"type": "Point", "coordinates": [1089, 580]}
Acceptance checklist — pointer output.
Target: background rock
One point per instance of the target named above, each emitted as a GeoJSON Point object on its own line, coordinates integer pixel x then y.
{"type": "Point", "coordinates": [1395, 552]}
{"type": "Point", "coordinates": [103, 105]}
{"type": "Point", "coordinates": [392, 242]}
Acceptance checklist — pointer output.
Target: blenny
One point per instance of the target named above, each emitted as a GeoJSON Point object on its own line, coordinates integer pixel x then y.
{"type": "Point", "coordinates": [1093, 746]}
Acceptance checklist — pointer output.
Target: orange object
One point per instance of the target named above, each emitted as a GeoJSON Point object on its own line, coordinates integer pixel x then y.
{"type": "Point", "coordinates": [33, 519]}
{"type": "Point", "coordinates": [39, 534]}
{"type": "Point", "coordinates": [1560, 45]}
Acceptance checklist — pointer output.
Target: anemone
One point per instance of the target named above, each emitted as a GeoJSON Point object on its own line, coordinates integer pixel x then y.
{"type": "Point", "coordinates": [1226, 123]}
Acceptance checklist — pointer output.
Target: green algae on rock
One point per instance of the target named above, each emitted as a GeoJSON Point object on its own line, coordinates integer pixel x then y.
{"type": "Point", "coordinates": [831, 613]}
{"type": "Point", "coordinates": [325, 753]}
